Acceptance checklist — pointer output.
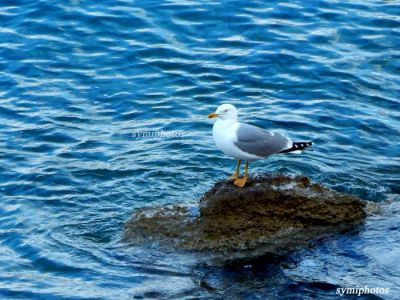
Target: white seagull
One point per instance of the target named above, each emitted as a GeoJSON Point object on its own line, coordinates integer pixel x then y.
{"type": "Point", "coordinates": [247, 142]}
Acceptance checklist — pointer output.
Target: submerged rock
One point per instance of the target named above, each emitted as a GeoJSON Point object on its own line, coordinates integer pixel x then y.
{"type": "Point", "coordinates": [272, 214]}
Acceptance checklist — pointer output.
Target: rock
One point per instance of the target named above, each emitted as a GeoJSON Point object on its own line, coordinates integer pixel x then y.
{"type": "Point", "coordinates": [272, 214]}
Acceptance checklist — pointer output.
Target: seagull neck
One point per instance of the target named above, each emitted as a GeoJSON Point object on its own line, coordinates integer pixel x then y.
{"type": "Point", "coordinates": [226, 122]}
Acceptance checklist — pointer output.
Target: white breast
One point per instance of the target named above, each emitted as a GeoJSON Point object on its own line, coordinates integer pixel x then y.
{"type": "Point", "coordinates": [224, 134]}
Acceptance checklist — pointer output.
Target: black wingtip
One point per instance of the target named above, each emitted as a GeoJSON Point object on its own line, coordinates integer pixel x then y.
{"type": "Point", "coordinates": [297, 146]}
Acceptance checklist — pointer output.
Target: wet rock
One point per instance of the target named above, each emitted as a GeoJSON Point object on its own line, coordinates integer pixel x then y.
{"type": "Point", "coordinates": [272, 214]}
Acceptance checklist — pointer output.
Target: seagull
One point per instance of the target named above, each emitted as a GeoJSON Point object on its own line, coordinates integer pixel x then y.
{"type": "Point", "coordinates": [247, 142]}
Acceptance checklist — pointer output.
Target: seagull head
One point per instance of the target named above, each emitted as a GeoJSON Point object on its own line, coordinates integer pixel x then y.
{"type": "Point", "coordinates": [225, 112]}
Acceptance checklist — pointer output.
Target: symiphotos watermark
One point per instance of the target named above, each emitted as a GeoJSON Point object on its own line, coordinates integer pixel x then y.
{"type": "Point", "coordinates": [153, 134]}
{"type": "Point", "coordinates": [362, 291]}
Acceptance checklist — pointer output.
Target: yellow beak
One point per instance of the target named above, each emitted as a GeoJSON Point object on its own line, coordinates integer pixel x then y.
{"type": "Point", "coordinates": [213, 115]}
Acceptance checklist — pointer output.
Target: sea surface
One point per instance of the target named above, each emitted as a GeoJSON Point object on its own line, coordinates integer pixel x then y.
{"type": "Point", "coordinates": [103, 109]}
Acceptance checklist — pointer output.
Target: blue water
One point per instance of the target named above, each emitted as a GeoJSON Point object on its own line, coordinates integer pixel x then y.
{"type": "Point", "coordinates": [78, 80]}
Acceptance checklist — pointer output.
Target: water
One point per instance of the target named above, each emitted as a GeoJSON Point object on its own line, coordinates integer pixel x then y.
{"type": "Point", "coordinates": [78, 78]}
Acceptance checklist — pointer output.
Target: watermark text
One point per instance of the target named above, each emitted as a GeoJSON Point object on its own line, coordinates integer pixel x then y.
{"type": "Point", "coordinates": [361, 291]}
{"type": "Point", "coordinates": [153, 134]}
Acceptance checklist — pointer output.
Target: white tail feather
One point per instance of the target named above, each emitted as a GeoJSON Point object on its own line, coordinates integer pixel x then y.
{"type": "Point", "coordinates": [296, 152]}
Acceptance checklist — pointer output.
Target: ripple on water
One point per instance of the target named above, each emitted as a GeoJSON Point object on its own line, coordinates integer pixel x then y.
{"type": "Point", "coordinates": [78, 78]}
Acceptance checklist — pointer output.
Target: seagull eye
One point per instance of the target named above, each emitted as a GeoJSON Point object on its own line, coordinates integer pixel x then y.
{"type": "Point", "coordinates": [225, 110]}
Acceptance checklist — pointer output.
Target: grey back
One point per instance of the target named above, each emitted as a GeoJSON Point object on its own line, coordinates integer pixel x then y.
{"type": "Point", "coordinates": [256, 141]}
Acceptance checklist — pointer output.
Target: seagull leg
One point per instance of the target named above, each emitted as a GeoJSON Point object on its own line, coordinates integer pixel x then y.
{"type": "Point", "coordinates": [240, 182]}
{"type": "Point", "coordinates": [236, 174]}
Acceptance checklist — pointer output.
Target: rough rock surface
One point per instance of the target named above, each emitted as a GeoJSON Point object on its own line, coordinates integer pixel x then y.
{"type": "Point", "coordinates": [272, 214]}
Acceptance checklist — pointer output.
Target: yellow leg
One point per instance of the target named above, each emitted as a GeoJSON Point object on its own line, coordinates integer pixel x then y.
{"type": "Point", "coordinates": [236, 174]}
{"type": "Point", "coordinates": [240, 182]}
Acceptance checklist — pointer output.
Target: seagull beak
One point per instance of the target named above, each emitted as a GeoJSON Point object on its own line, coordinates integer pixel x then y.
{"type": "Point", "coordinates": [212, 115]}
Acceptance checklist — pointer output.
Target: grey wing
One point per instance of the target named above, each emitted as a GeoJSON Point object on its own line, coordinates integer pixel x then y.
{"type": "Point", "coordinates": [256, 141]}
